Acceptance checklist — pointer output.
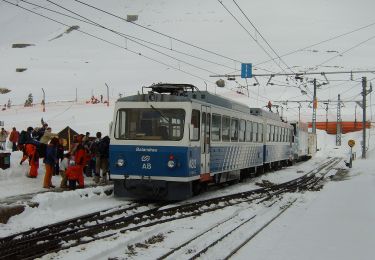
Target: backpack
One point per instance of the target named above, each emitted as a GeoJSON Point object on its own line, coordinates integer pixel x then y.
{"type": "Point", "coordinates": [23, 137]}
{"type": "Point", "coordinates": [103, 147]}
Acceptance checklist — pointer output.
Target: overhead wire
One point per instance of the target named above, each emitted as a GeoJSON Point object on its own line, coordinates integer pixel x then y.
{"type": "Point", "coordinates": [157, 32]}
{"type": "Point", "coordinates": [261, 35]}
{"type": "Point", "coordinates": [131, 36]}
{"type": "Point", "coordinates": [347, 50]}
{"type": "Point", "coordinates": [256, 41]}
{"type": "Point", "coordinates": [321, 42]}
{"type": "Point", "coordinates": [91, 22]}
{"type": "Point", "coordinates": [109, 42]}
{"type": "Point", "coordinates": [247, 31]}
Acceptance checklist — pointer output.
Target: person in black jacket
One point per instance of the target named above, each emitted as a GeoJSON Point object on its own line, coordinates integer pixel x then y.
{"type": "Point", "coordinates": [49, 161]}
{"type": "Point", "coordinates": [60, 156]}
{"type": "Point", "coordinates": [103, 150]}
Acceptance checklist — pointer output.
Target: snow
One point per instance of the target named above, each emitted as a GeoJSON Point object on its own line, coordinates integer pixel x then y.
{"type": "Point", "coordinates": [334, 223]}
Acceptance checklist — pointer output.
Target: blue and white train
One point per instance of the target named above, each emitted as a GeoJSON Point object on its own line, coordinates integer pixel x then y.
{"type": "Point", "coordinates": [174, 140]}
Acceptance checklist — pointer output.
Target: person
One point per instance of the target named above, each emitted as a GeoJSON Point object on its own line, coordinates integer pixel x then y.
{"type": "Point", "coordinates": [33, 155]}
{"type": "Point", "coordinates": [49, 162]}
{"type": "Point", "coordinates": [79, 153]}
{"type": "Point", "coordinates": [74, 174]}
{"type": "Point", "coordinates": [25, 138]}
{"type": "Point", "coordinates": [86, 138]}
{"type": "Point", "coordinates": [96, 156]}
{"type": "Point", "coordinates": [39, 132]}
{"type": "Point", "coordinates": [64, 164]}
{"type": "Point", "coordinates": [90, 167]}
{"type": "Point", "coordinates": [3, 138]}
{"type": "Point", "coordinates": [60, 156]}
{"type": "Point", "coordinates": [103, 149]}
{"type": "Point", "coordinates": [101, 98]}
{"type": "Point", "coordinates": [47, 136]}
{"type": "Point", "coordinates": [14, 137]}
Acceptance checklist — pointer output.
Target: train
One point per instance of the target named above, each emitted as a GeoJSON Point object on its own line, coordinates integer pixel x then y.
{"type": "Point", "coordinates": [172, 140]}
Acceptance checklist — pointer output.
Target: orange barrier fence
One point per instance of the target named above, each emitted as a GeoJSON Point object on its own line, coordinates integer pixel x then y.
{"type": "Point", "coordinates": [347, 127]}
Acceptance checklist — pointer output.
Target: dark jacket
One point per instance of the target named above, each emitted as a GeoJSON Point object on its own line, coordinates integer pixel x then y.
{"type": "Point", "coordinates": [103, 147]}
{"type": "Point", "coordinates": [51, 155]}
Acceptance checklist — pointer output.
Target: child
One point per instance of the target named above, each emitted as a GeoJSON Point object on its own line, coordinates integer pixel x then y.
{"type": "Point", "coordinates": [74, 174]}
{"type": "Point", "coordinates": [64, 164]}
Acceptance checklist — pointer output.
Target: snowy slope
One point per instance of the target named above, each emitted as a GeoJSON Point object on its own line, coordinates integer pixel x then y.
{"type": "Point", "coordinates": [78, 61]}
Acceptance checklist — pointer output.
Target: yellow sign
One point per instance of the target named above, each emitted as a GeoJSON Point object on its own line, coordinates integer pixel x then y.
{"type": "Point", "coordinates": [351, 142]}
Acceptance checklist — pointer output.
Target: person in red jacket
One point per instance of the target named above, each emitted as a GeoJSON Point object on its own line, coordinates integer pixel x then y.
{"type": "Point", "coordinates": [32, 153]}
{"type": "Point", "coordinates": [79, 153]}
{"type": "Point", "coordinates": [14, 137]}
{"type": "Point", "coordinates": [74, 174]}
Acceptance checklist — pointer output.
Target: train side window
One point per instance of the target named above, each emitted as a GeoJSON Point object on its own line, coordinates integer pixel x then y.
{"type": "Point", "coordinates": [252, 131]}
{"type": "Point", "coordinates": [255, 132]}
{"type": "Point", "coordinates": [260, 132]}
{"type": "Point", "coordinates": [268, 133]}
{"type": "Point", "coordinates": [248, 131]}
{"type": "Point", "coordinates": [120, 124]}
{"type": "Point", "coordinates": [277, 134]}
{"type": "Point", "coordinates": [195, 122]}
{"type": "Point", "coordinates": [208, 128]}
{"type": "Point", "coordinates": [242, 130]}
{"type": "Point", "coordinates": [234, 130]}
{"type": "Point", "coordinates": [272, 133]}
{"type": "Point", "coordinates": [216, 127]}
{"type": "Point", "coordinates": [225, 137]}
{"type": "Point", "coordinates": [282, 134]}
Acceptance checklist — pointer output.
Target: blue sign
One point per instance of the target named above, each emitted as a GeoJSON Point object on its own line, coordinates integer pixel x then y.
{"type": "Point", "coordinates": [246, 70]}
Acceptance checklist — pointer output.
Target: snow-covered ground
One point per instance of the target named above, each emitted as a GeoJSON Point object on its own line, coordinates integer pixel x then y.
{"type": "Point", "coordinates": [334, 223]}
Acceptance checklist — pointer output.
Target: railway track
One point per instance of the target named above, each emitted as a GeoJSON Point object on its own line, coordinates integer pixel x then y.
{"type": "Point", "coordinates": [192, 248]}
{"type": "Point", "coordinates": [91, 227]}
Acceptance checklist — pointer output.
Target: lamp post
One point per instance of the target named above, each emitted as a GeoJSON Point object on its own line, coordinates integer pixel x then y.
{"type": "Point", "coordinates": [44, 101]}
{"type": "Point", "coordinates": [107, 94]}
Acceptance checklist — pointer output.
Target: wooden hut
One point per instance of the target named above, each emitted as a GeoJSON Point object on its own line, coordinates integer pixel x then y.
{"type": "Point", "coordinates": [67, 135]}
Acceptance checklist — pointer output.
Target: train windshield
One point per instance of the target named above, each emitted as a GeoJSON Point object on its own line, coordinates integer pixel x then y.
{"type": "Point", "coordinates": [150, 124]}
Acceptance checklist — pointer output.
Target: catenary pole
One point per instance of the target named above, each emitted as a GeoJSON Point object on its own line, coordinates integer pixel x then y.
{"type": "Point", "coordinates": [315, 103]}
{"type": "Point", "coordinates": [364, 93]}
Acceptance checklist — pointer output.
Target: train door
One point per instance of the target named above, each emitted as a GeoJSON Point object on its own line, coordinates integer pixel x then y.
{"type": "Point", "coordinates": [205, 141]}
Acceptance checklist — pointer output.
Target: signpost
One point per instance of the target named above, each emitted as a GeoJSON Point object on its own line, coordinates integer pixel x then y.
{"type": "Point", "coordinates": [246, 70]}
{"type": "Point", "coordinates": [351, 143]}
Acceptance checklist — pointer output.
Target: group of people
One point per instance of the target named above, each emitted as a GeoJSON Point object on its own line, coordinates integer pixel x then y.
{"type": "Point", "coordinates": [87, 155]}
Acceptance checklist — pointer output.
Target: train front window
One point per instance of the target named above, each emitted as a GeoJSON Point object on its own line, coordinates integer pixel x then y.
{"type": "Point", "coordinates": [150, 124]}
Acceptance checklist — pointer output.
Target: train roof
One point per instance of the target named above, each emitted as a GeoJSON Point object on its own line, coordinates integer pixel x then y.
{"type": "Point", "coordinates": [169, 92]}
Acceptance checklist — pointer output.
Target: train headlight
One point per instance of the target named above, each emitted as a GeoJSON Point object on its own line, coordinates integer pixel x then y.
{"type": "Point", "coordinates": [120, 162]}
{"type": "Point", "coordinates": [171, 164]}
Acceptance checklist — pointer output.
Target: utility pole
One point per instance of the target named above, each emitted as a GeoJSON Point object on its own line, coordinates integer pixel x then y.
{"type": "Point", "coordinates": [315, 104]}
{"type": "Point", "coordinates": [364, 93]}
{"type": "Point", "coordinates": [338, 123]}
{"type": "Point", "coordinates": [326, 103]}
{"type": "Point", "coordinates": [44, 101]}
{"type": "Point", "coordinates": [107, 94]}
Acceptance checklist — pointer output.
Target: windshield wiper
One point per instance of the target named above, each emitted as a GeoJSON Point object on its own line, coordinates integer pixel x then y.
{"type": "Point", "coordinates": [160, 113]}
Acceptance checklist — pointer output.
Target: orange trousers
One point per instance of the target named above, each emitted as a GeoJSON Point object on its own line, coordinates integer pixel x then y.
{"type": "Point", "coordinates": [33, 159]}
{"type": "Point", "coordinates": [47, 178]}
